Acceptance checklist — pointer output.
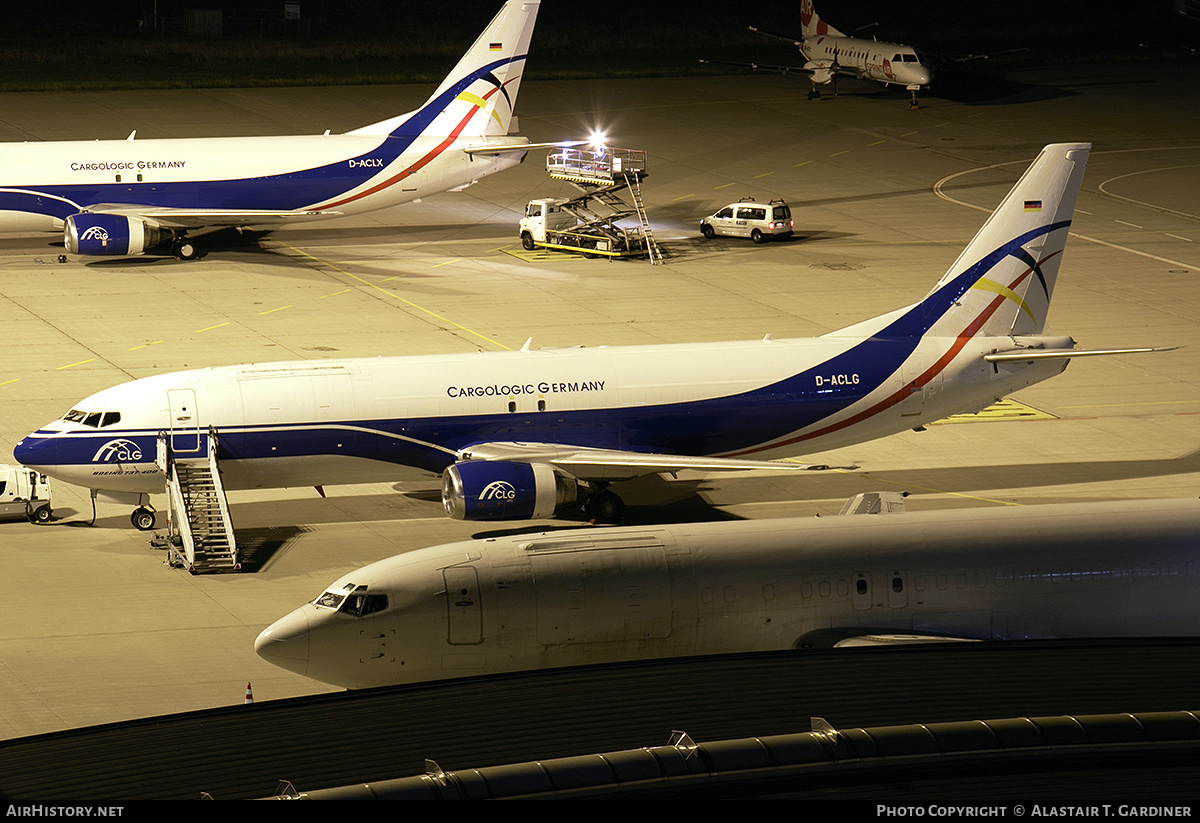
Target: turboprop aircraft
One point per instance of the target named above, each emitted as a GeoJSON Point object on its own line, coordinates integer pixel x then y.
{"type": "Point", "coordinates": [132, 196]}
{"type": "Point", "coordinates": [831, 54]}
{"type": "Point", "coordinates": [514, 434]}
{"type": "Point", "coordinates": [563, 598]}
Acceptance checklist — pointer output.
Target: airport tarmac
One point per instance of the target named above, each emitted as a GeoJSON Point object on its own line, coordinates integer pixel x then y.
{"type": "Point", "coordinates": [95, 627]}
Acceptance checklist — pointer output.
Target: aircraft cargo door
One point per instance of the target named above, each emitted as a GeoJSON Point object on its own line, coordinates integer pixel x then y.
{"type": "Point", "coordinates": [603, 595]}
{"type": "Point", "coordinates": [185, 421]}
{"type": "Point", "coordinates": [463, 610]}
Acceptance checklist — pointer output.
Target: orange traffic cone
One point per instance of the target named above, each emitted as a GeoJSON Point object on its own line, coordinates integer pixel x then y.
{"type": "Point", "coordinates": [249, 695]}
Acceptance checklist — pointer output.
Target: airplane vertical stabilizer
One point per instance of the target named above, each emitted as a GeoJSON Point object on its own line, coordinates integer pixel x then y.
{"type": "Point", "coordinates": [1003, 281]}
{"type": "Point", "coordinates": [813, 25]}
{"type": "Point", "coordinates": [478, 96]}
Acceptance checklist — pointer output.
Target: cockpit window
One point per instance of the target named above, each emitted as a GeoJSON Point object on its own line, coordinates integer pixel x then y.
{"type": "Point", "coordinates": [330, 600]}
{"type": "Point", "coordinates": [352, 600]}
{"type": "Point", "coordinates": [97, 420]}
{"type": "Point", "coordinates": [360, 605]}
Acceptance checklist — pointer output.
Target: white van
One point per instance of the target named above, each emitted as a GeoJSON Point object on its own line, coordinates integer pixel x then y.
{"type": "Point", "coordinates": [747, 218]}
{"type": "Point", "coordinates": [24, 493]}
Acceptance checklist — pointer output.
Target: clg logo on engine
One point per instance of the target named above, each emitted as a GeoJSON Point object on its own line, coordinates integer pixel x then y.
{"type": "Point", "coordinates": [118, 451]}
{"type": "Point", "coordinates": [95, 233]}
{"type": "Point", "coordinates": [498, 490]}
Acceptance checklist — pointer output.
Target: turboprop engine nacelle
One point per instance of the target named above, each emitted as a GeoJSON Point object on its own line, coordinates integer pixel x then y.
{"type": "Point", "coordinates": [485, 490]}
{"type": "Point", "coordinates": [109, 234]}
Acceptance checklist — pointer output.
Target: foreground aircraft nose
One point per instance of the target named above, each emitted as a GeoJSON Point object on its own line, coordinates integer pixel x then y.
{"type": "Point", "coordinates": [285, 642]}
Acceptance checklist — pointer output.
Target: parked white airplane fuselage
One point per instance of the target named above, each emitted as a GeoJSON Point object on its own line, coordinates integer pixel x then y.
{"type": "Point", "coordinates": [122, 197]}
{"type": "Point", "coordinates": [587, 596]}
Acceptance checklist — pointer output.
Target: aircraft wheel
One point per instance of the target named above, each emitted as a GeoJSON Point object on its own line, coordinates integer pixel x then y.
{"type": "Point", "coordinates": [527, 241]}
{"type": "Point", "coordinates": [708, 231]}
{"type": "Point", "coordinates": [41, 514]}
{"type": "Point", "coordinates": [757, 236]}
{"type": "Point", "coordinates": [606, 507]}
{"type": "Point", "coordinates": [185, 250]}
{"type": "Point", "coordinates": [142, 519]}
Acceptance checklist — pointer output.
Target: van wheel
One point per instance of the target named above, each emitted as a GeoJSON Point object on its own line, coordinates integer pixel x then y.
{"type": "Point", "coordinates": [527, 241]}
{"type": "Point", "coordinates": [757, 236]}
{"type": "Point", "coordinates": [708, 231]}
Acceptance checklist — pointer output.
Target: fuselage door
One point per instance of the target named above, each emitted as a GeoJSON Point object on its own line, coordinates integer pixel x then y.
{"type": "Point", "coordinates": [861, 591]}
{"type": "Point", "coordinates": [463, 609]}
{"type": "Point", "coordinates": [185, 421]}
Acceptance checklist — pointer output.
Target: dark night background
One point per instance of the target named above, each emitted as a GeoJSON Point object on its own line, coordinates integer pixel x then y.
{"type": "Point", "coordinates": [117, 44]}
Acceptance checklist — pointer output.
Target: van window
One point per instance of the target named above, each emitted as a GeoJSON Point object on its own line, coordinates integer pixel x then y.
{"type": "Point", "coordinates": [781, 213]}
{"type": "Point", "coordinates": [752, 214]}
{"type": "Point", "coordinates": [725, 212]}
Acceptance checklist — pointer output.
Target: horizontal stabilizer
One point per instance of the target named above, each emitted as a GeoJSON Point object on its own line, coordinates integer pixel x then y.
{"type": "Point", "coordinates": [1029, 355]}
{"type": "Point", "coordinates": [515, 147]}
{"type": "Point", "coordinates": [875, 503]}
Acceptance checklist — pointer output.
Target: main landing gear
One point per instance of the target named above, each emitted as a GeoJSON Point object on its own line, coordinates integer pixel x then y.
{"type": "Point", "coordinates": [184, 249]}
{"type": "Point", "coordinates": [604, 506]}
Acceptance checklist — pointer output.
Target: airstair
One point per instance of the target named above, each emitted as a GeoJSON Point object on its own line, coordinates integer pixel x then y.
{"type": "Point", "coordinates": [200, 531]}
{"type": "Point", "coordinates": [601, 174]}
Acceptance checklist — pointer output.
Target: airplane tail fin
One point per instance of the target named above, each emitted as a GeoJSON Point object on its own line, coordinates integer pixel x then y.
{"type": "Point", "coordinates": [478, 96]}
{"type": "Point", "coordinates": [813, 25]}
{"type": "Point", "coordinates": [1003, 281]}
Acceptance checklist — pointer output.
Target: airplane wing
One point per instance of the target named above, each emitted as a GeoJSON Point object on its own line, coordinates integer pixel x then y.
{"type": "Point", "coordinates": [760, 66]}
{"type": "Point", "coordinates": [611, 465]}
{"type": "Point", "coordinates": [205, 218]}
{"type": "Point", "coordinates": [792, 40]}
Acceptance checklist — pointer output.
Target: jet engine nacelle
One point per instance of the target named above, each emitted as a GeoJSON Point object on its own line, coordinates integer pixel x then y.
{"type": "Point", "coordinates": [109, 234]}
{"type": "Point", "coordinates": [504, 490]}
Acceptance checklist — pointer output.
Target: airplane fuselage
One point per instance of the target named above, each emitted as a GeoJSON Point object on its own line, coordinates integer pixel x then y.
{"type": "Point", "coordinates": [889, 63]}
{"type": "Point", "coordinates": [586, 596]}
{"type": "Point", "coordinates": [44, 183]}
{"type": "Point", "coordinates": [390, 418]}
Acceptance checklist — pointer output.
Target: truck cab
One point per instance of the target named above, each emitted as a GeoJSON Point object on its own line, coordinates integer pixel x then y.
{"type": "Point", "coordinates": [24, 493]}
{"type": "Point", "coordinates": [542, 216]}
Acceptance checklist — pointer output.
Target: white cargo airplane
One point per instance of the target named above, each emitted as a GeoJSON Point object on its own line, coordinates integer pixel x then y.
{"type": "Point", "coordinates": [831, 54]}
{"type": "Point", "coordinates": [126, 197]}
{"type": "Point", "coordinates": [514, 433]}
{"type": "Point", "coordinates": [586, 596]}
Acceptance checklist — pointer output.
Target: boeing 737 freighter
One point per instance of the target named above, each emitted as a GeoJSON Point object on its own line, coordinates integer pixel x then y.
{"type": "Point", "coordinates": [585, 596]}
{"type": "Point", "coordinates": [127, 197]}
{"type": "Point", "coordinates": [514, 434]}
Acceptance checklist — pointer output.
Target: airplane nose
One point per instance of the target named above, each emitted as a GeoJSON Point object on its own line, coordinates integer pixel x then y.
{"type": "Point", "coordinates": [285, 642]}
{"type": "Point", "coordinates": [36, 451]}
